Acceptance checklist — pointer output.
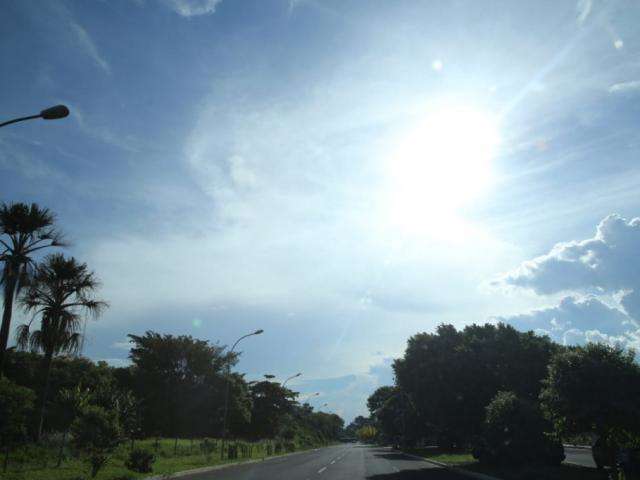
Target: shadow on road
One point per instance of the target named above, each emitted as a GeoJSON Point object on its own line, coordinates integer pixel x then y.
{"type": "Point", "coordinates": [395, 456]}
{"type": "Point", "coordinates": [421, 474]}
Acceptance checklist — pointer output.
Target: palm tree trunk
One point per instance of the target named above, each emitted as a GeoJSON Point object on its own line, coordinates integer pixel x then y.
{"type": "Point", "coordinates": [48, 357]}
{"type": "Point", "coordinates": [9, 291]}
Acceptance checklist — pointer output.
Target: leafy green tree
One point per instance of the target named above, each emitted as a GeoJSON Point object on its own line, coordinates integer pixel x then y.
{"type": "Point", "coordinates": [593, 389]}
{"type": "Point", "coordinates": [67, 373]}
{"type": "Point", "coordinates": [24, 231]}
{"type": "Point", "coordinates": [271, 402]}
{"type": "Point", "coordinates": [395, 416]}
{"type": "Point", "coordinates": [180, 383]}
{"type": "Point", "coordinates": [96, 432]}
{"type": "Point", "coordinates": [16, 403]}
{"type": "Point", "coordinates": [60, 294]}
{"type": "Point", "coordinates": [68, 405]}
{"type": "Point", "coordinates": [357, 424]}
{"type": "Point", "coordinates": [367, 433]}
{"type": "Point", "coordinates": [451, 375]}
{"type": "Point", "coordinates": [516, 433]}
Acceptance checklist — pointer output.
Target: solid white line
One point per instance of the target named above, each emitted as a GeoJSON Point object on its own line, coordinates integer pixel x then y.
{"type": "Point", "coordinates": [322, 469]}
{"type": "Point", "coordinates": [332, 462]}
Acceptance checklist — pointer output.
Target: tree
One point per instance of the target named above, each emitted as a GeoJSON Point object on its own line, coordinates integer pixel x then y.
{"type": "Point", "coordinates": [180, 383]}
{"type": "Point", "coordinates": [24, 230]}
{"type": "Point", "coordinates": [593, 389]}
{"type": "Point", "coordinates": [367, 433]}
{"type": "Point", "coordinates": [450, 376]}
{"type": "Point", "coordinates": [271, 402]}
{"type": "Point", "coordinates": [15, 407]}
{"type": "Point", "coordinates": [395, 416]}
{"type": "Point", "coordinates": [516, 433]}
{"type": "Point", "coordinates": [357, 424]}
{"type": "Point", "coordinates": [96, 432]}
{"type": "Point", "coordinates": [60, 294]}
{"type": "Point", "coordinates": [68, 405]}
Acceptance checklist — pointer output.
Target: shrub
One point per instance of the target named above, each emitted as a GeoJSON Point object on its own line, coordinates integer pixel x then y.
{"type": "Point", "coordinates": [515, 434]}
{"type": "Point", "coordinates": [96, 432]}
{"type": "Point", "coordinates": [140, 461]}
{"type": "Point", "coordinates": [15, 405]}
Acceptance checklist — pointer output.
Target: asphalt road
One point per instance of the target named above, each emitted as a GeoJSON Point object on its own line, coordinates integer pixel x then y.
{"type": "Point", "coordinates": [341, 462]}
{"type": "Point", "coordinates": [580, 456]}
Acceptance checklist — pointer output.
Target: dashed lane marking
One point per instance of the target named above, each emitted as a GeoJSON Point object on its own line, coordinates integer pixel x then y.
{"type": "Point", "coordinates": [322, 469]}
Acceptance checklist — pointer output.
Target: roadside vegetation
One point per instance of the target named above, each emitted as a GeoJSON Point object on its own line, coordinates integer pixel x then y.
{"type": "Point", "coordinates": [500, 399]}
{"type": "Point", "coordinates": [63, 416]}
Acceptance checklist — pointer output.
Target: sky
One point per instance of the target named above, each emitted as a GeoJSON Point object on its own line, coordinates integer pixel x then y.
{"type": "Point", "coordinates": [340, 173]}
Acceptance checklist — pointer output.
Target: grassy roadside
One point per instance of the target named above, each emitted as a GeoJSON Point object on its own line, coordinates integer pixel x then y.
{"type": "Point", "coordinates": [187, 456]}
{"type": "Point", "coordinates": [466, 461]}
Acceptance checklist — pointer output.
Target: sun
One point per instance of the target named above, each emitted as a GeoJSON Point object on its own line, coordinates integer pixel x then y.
{"type": "Point", "coordinates": [440, 165]}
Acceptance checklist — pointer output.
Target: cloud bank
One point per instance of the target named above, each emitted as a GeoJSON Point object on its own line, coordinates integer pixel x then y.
{"type": "Point", "coordinates": [600, 276]}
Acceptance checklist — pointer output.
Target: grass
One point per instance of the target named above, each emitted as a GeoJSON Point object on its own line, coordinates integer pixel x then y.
{"type": "Point", "coordinates": [466, 461]}
{"type": "Point", "coordinates": [38, 463]}
{"type": "Point", "coordinates": [444, 456]}
{"type": "Point", "coordinates": [563, 472]}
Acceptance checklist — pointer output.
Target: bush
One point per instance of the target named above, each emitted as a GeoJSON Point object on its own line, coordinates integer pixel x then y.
{"type": "Point", "coordinates": [97, 432]}
{"type": "Point", "coordinates": [16, 404]}
{"type": "Point", "coordinates": [515, 434]}
{"type": "Point", "coordinates": [140, 461]}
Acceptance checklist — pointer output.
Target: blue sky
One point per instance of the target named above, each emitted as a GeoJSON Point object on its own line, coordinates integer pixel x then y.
{"type": "Point", "coordinates": [342, 174]}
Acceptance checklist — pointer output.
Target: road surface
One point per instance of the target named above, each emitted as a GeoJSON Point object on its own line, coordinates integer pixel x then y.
{"type": "Point", "coordinates": [340, 462]}
{"type": "Point", "coordinates": [580, 456]}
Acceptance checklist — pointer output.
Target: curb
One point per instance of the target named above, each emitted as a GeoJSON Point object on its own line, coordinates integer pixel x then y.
{"type": "Point", "coordinates": [458, 470]}
{"type": "Point", "coordinates": [213, 468]}
{"type": "Point", "coordinates": [580, 447]}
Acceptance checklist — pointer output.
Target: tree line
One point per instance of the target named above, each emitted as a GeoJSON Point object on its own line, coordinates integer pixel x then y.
{"type": "Point", "coordinates": [509, 396]}
{"type": "Point", "coordinates": [174, 387]}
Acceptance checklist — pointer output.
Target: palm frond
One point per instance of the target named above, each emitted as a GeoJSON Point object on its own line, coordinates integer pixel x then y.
{"type": "Point", "coordinates": [22, 336]}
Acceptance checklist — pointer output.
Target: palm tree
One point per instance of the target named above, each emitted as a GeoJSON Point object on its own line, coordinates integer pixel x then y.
{"type": "Point", "coordinates": [60, 294]}
{"type": "Point", "coordinates": [24, 229]}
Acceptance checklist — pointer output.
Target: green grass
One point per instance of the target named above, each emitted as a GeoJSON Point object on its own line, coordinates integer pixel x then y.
{"type": "Point", "coordinates": [444, 456]}
{"type": "Point", "coordinates": [466, 461]}
{"type": "Point", "coordinates": [563, 472]}
{"type": "Point", "coordinates": [38, 463]}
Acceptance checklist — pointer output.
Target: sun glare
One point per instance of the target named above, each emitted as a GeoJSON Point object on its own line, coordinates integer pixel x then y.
{"type": "Point", "coordinates": [442, 164]}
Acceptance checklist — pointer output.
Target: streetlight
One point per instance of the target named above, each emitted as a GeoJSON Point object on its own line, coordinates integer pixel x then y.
{"type": "Point", "coordinates": [51, 113]}
{"type": "Point", "coordinates": [226, 394]}
{"type": "Point", "coordinates": [306, 399]}
{"type": "Point", "coordinates": [290, 378]}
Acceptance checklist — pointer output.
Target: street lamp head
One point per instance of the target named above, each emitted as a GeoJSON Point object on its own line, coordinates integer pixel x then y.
{"type": "Point", "coordinates": [298, 374]}
{"type": "Point", "coordinates": [258, 332]}
{"type": "Point", "coordinates": [53, 113]}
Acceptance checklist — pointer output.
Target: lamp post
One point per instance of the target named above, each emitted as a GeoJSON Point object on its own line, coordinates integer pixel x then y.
{"type": "Point", "coordinates": [226, 393]}
{"type": "Point", "coordinates": [291, 378]}
{"type": "Point", "coordinates": [51, 113]}
{"type": "Point", "coordinates": [306, 399]}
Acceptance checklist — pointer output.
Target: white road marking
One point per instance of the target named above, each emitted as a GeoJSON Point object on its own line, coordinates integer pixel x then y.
{"type": "Point", "coordinates": [322, 469]}
{"type": "Point", "coordinates": [332, 462]}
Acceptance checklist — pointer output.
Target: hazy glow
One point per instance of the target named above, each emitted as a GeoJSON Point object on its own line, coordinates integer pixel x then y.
{"type": "Point", "coordinates": [440, 165]}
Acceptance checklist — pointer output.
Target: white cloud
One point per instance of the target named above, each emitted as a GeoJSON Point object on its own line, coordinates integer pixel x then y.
{"type": "Point", "coordinates": [601, 276]}
{"type": "Point", "coordinates": [87, 44]}
{"type": "Point", "coordinates": [115, 362]}
{"type": "Point", "coordinates": [587, 313]}
{"type": "Point", "coordinates": [624, 87]}
{"type": "Point", "coordinates": [122, 345]}
{"type": "Point", "coordinates": [191, 8]}
{"type": "Point", "coordinates": [608, 263]}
